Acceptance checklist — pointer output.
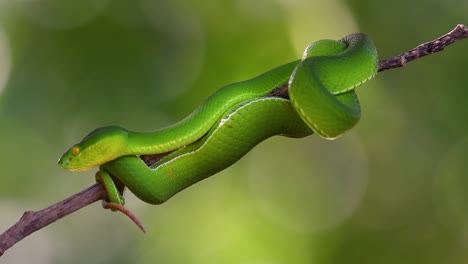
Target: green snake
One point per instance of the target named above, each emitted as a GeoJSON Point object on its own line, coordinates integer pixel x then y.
{"type": "Point", "coordinates": [228, 124]}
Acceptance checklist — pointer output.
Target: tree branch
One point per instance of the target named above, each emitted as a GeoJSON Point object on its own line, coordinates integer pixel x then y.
{"type": "Point", "coordinates": [458, 33]}
{"type": "Point", "coordinates": [33, 221]}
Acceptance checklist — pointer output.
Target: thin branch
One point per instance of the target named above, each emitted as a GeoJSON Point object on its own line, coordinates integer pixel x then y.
{"type": "Point", "coordinates": [458, 33]}
{"type": "Point", "coordinates": [33, 221]}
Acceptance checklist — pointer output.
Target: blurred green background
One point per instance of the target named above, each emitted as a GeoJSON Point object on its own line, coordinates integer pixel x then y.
{"type": "Point", "coordinates": [393, 190]}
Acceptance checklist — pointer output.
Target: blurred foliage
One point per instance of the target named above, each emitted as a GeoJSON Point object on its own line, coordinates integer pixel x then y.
{"type": "Point", "coordinates": [393, 190]}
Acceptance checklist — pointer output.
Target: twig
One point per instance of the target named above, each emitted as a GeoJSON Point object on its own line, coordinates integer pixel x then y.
{"type": "Point", "coordinates": [458, 33]}
{"type": "Point", "coordinates": [33, 221]}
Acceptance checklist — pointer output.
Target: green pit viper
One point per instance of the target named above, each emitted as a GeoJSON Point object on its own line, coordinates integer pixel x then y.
{"type": "Point", "coordinates": [228, 124]}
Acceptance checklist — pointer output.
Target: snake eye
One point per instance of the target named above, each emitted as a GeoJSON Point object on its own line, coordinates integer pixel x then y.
{"type": "Point", "coordinates": [75, 151]}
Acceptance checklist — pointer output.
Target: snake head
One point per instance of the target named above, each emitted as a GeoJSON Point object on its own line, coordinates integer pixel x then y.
{"type": "Point", "coordinates": [100, 146]}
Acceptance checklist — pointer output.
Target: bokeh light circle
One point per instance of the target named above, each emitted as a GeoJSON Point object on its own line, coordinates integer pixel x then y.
{"type": "Point", "coordinates": [5, 60]}
{"type": "Point", "coordinates": [451, 185]}
{"type": "Point", "coordinates": [308, 185]}
{"type": "Point", "coordinates": [180, 65]}
{"type": "Point", "coordinates": [63, 15]}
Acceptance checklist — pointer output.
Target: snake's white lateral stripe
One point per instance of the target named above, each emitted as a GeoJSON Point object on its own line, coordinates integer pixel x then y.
{"type": "Point", "coordinates": [219, 126]}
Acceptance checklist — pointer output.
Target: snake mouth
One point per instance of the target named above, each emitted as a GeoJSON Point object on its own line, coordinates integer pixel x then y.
{"type": "Point", "coordinates": [65, 163]}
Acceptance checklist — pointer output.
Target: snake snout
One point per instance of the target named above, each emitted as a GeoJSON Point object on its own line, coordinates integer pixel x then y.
{"type": "Point", "coordinates": [63, 162]}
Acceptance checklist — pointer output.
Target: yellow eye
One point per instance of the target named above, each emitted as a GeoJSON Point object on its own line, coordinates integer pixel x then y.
{"type": "Point", "coordinates": [75, 151]}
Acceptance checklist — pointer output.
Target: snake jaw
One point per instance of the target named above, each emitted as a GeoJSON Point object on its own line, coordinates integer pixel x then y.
{"type": "Point", "coordinates": [66, 162]}
{"type": "Point", "coordinates": [98, 147]}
